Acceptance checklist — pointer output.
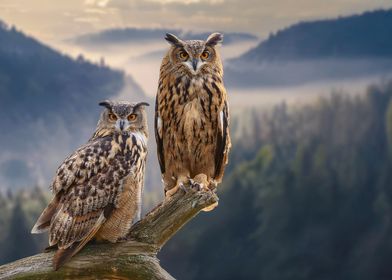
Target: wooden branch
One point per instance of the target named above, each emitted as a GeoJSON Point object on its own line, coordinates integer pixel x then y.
{"type": "Point", "coordinates": [133, 258]}
{"type": "Point", "coordinates": [165, 220]}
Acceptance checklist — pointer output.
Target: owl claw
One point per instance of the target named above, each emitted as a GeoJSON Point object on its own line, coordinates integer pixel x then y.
{"type": "Point", "coordinates": [182, 187]}
{"type": "Point", "coordinates": [197, 186]}
{"type": "Point", "coordinates": [213, 186]}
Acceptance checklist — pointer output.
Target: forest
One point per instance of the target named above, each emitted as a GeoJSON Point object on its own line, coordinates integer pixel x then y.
{"type": "Point", "coordinates": [306, 195]}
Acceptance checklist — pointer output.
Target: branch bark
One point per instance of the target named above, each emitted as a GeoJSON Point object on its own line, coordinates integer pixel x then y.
{"type": "Point", "coordinates": [133, 258]}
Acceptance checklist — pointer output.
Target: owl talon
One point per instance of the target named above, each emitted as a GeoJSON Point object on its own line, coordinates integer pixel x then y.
{"type": "Point", "coordinates": [197, 186]}
{"type": "Point", "coordinates": [171, 192]}
{"type": "Point", "coordinates": [180, 185]}
{"type": "Point", "coordinates": [183, 188]}
{"type": "Point", "coordinates": [200, 182]}
{"type": "Point", "coordinates": [213, 186]}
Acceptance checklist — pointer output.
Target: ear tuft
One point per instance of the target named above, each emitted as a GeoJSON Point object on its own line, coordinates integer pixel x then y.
{"type": "Point", "coordinates": [141, 104]}
{"type": "Point", "coordinates": [174, 40]}
{"type": "Point", "coordinates": [214, 39]}
{"type": "Point", "coordinates": [105, 103]}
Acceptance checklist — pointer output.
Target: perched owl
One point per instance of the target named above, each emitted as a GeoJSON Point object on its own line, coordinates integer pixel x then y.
{"type": "Point", "coordinates": [192, 115]}
{"type": "Point", "coordinates": [97, 190]}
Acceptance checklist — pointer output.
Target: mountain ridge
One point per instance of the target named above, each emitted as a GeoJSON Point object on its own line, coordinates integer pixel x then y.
{"type": "Point", "coordinates": [361, 35]}
{"type": "Point", "coordinates": [48, 105]}
{"type": "Point", "coordinates": [352, 47]}
{"type": "Point", "coordinates": [129, 35]}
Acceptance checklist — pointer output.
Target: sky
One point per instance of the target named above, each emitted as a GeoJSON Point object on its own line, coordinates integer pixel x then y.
{"type": "Point", "coordinates": [54, 21]}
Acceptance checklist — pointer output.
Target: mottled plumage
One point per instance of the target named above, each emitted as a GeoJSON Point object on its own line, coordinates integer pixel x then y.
{"type": "Point", "coordinates": [97, 190]}
{"type": "Point", "coordinates": [191, 114]}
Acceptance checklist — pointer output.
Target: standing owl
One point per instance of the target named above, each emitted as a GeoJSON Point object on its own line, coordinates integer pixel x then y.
{"type": "Point", "coordinates": [97, 190]}
{"type": "Point", "coordinates": [192, 115]}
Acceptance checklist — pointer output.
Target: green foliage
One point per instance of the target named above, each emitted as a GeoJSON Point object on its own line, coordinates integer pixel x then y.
{"type": "Point", "coordinates": [19, 213]}
{"type": "Point", "coordinates": [389, 125]}
{"type": "Point", "coordinates": [313, 202]}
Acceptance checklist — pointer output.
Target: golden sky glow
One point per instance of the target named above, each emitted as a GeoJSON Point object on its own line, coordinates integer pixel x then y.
{"type": "Point", "coordinates": [57, 20]}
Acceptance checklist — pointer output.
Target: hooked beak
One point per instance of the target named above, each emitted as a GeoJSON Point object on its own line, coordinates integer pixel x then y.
{"type": "Point", "coordinates": [122, 125]}
{"type": "Point", "coordinates": [195, 61]}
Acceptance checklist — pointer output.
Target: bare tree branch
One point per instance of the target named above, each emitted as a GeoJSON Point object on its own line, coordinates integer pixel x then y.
{"type": "Point", "coordinates": [133, 258]}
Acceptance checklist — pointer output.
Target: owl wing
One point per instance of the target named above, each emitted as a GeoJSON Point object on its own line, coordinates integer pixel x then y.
{"type": "Point", "coordinates": [223, 142]}
{"type": "Point", "coordinates": [76, 170]}
{"type": "Point", "coordinates": [158, 125]}
{"type": "Point", "coordinates": [87, 188]}
{"type": "Point", "coordinates": [83, 164]}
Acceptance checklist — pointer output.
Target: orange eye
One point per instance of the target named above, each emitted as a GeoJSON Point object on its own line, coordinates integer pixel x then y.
{"type": "Point", "coordinates": [132, 117]}
{"type": "Point", "coordinates": [205, 55]}
{"type": "Point", "coordinates": [184, 55]}
{"type": "Point", "coordinates": [112, 117]}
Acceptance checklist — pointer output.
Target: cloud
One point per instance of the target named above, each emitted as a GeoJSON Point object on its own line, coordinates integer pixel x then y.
{"type": "Point", "coordinates": [187, 1]}
{"type": "Point", "coordinates": [95, 11]}
{"type": "Point", "coordinates": [98, 3]}
{"type": "Point", "coordinates": [87, 19]}
{"type": "Point", "coordinates": [50, 20]}
{"type": "Point", "coordinates": [256, 16]}
{"type": "Point", "coordinates": [102, 3]}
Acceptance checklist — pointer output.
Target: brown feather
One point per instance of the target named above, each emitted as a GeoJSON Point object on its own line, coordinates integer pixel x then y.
{"type": "Point", "coordinates": [223, 143]}
{"type": "Point", "coordinates": [158, 138]}
{"type": "Point", "coordinates": [64, 255]}
{"type": "Point", "coordinates": [43, 222]}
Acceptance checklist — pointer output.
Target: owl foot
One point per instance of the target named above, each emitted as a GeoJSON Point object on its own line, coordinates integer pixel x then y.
{"type": "Point", "coordinates": [180, 184]}
{"type": "Point", "coordinates": [213, 185]}
{"type": "Point", "coordinates": [183, 188]}
{"type": "Point", "coordinates": [196, 186]}
{"type": "Point", "coordinates": [172, 191]}
{"type": "Point", "coordinates": [200, 182]}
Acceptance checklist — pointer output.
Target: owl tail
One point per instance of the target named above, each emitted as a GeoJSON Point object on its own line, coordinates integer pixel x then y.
{"type": "Point", "coordinates": [64, 255]}
{"type": "Point", "coordinates": [43, 222]}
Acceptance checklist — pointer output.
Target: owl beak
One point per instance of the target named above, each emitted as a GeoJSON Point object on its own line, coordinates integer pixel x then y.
{"type": "Point", "coordinates": [121, 125]}
{"type": "Point", "coordinates": [195, 61]}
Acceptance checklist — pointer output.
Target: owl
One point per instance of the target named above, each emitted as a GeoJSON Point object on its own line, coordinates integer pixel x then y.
{"type": "Point", "coordinates": [97, 190]}
{"type": "Point", "coordinates": [192, 115]}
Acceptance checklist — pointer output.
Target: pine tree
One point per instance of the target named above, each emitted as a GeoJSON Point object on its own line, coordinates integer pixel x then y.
{"type": "Point", "coordinates": [20, 242]}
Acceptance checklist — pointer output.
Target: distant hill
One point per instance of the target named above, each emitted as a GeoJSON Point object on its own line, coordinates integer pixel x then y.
{"type": "Point", "coordinates": [36, 77]}
{"type": "Point", "coordinates": [345, 47]}
{"type": "Point", "coordinates": [365, 35]}
{"type": "Point", "coordinates": [138, 35]}
{"type": "Point", "coordinates": [48, 106]}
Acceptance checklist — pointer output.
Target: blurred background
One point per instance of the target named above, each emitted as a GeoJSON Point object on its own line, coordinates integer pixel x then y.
{"type": "Point", "coordinates": [308, 191]}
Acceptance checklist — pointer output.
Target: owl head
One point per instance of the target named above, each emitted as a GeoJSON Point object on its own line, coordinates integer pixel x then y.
{"type": "Point", "coordinates": [122, 117]}
{"type": "Point", "coordinates": [195, 57]}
